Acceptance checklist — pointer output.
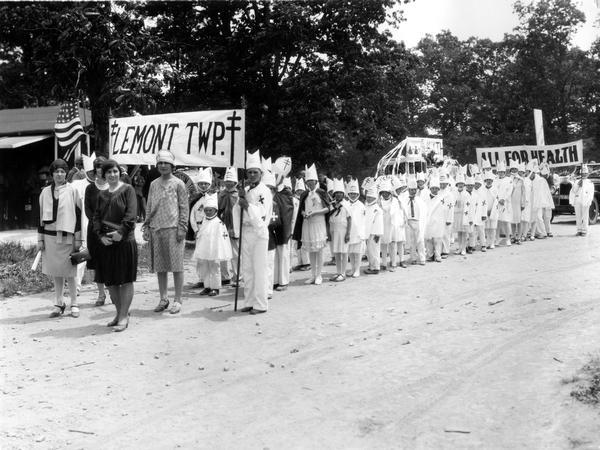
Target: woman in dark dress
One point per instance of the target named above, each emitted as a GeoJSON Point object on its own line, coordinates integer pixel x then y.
{"type": "Point", "coordinates": [93, 242]}
{"type": "Point", "coordinates": [114, 225]}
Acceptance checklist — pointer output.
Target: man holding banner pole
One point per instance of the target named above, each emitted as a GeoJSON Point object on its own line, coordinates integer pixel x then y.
{"type": "Point", "coordinates": [257, 205]}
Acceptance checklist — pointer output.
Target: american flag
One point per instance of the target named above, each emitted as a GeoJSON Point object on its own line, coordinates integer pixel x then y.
{"type": "Point", "coordinates": [68, 127]}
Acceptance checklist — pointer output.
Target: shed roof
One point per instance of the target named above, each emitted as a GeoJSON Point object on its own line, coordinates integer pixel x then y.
{"type": "Point", "coordinates": [27, 121]}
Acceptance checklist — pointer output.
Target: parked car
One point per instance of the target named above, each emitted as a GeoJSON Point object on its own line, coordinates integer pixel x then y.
{"type": "Point", "coordinates": [561, 189]}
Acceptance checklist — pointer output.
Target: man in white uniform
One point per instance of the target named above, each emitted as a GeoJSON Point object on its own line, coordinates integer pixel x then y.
{"type": "Point", "coordinates": [257, 206]}
{"type": "Point", "coordinates": [581, 197]}
{"type": "Point", "coordinates": [416, 220]}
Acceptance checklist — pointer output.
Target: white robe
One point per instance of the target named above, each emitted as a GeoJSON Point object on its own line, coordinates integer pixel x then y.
{"type": "Point", "coordinates": [437, 216]}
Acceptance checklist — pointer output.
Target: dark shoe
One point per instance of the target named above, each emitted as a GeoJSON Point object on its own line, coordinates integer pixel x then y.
{"type": "Point", "coordinates": [58, 310]}
{"type": "Point", "coordinates": [213, 292]}
{"type": "Point", "coordinates": [113, 322]}
{"type": "Point", "coordinates": [305, 267]}
{"type": "Point", "coordinates": [371, 272]}
{"type": "Point", "coordinates": [246, 309]}
{"type": "Point", "coordinates": [281, 287]}
{"type": "Point", "coordinates": [258, 311]}
{"type": "Point", "coordinates": [198, 285]}
{"type": "Point", "coordinates": [100, 301]}
{"type": "Point", "coordinates": [162, 305]}
{"type": "Point", "coordinates": [550, 235]}
{"type": "Point", "coordinates": [275, 287]}
{"type": "Point", "coordinates": [403, 265]}
{"type": "Point", "coordinates": [205, 291]}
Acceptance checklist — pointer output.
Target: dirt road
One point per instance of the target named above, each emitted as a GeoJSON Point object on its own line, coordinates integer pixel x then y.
{"type": "Point", "coordinates": [470, 353]}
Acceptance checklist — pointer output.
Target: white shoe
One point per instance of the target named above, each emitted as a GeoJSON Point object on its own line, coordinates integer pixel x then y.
{"type": "Point", "coordinates": [356, 274]}
{"type": "Point", "coordinates": [318, 280]}
{"type": "Point", "coordinates": [310, 281]}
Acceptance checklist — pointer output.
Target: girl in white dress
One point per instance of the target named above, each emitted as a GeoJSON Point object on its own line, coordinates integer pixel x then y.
{"type": "Point", "coordinates": [340, 225]}
{"type": "Point", "coordinates": [356, 245]}
{"type": "Point", "coordinates": [212, 247]}
{"type": "Point", "coordinates": [313, 207]}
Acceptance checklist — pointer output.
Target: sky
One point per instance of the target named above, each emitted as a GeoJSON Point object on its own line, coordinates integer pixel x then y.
{"type": "Point", "coordinates": [480, 18]}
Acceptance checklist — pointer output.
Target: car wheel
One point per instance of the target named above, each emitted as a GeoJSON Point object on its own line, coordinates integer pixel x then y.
{"type": "Point", "coordinates": [594, 212]}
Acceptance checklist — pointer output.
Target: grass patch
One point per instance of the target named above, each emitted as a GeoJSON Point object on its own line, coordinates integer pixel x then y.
{"type": "Point", "coordinates": [17, 278]}
{"type": "Point", "coordinates": [588, 389]}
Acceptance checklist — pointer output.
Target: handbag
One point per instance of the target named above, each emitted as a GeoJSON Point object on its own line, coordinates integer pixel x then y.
{"type": "Point", "coordinates": [80, 256]}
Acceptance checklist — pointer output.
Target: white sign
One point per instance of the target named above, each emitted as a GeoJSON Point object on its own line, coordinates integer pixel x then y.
{"type": "Point", "coordinates": [555, 155]}
{"type": "Point", "coordinates": [203, 138]}
{"type": "Point", "coordinates": [418, 148]}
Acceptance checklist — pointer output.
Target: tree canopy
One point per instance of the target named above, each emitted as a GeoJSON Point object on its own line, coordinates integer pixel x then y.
{"type": "Point", "coordinates": [320, 81]}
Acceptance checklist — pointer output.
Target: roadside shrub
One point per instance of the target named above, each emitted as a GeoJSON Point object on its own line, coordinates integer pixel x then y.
{"type": "Point", "coordinates": [16, 276]}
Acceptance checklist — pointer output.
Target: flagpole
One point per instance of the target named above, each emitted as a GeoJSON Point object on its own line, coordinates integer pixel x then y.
{"type": "Point", "coordinates": [239, 258]}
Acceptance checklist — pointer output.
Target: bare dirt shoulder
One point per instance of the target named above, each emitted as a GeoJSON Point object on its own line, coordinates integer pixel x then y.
{"type": "Point", "coordinates": [470, 353]}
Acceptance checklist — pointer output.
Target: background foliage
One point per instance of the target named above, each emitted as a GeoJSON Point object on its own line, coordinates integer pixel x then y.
{"type": "Point", "coordinates": [320, 80]}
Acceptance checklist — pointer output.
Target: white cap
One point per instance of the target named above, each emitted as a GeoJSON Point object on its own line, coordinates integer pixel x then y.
{"type": "Point", "coordinates": [338, 185]}
{"type": "Point", "coordinates": [395, 183]}
{"type": "Point", "coordinates": [500, 166]}
{"type": "Point", "coordinates": [268, 178]}
{"type": "Point", "coordinates": [352, 187]}
{"type": "Point", "coordinates": [489, 176]}
{"type": "Point", "coordinates": [88, 162]}
{"type": "Point", "coordinates": [460, 177]}
{"type": "Point", "coordinates": [299, 185]}
{"type": "Point", "coordinates": [329, 185]}
{"type": "Point", "coordinates": [371, 191]}
{"type": "Point", "coordinates": [485, 164]}
{"type": "Point", "coordinates": [420, 176]}
{"type": "Point", "coordinates": [165, 156]}
{"type": "Point", "coordinates": [434, 182]}
{"type": "Point", "coordinates": [478, 179]}
{"type": "Point", "coordinates": [544, 169]}
{"type": "Point", "coordinates": [385, 185]}
{"type": "Point", "coordinates": [231, 175]}
{"type": "Point", "coordinates": [402, 180]}
{"type": "Point", "coordinates": [310, 173]}
{"type": "Point", "coordinates": [211, 201]}
{"type": "Point", "coordinates": [253, 161]}
{"type": "Point", "coordinates": [469, 180]}
{"type": "Point", "coordinates": [205, 176]}
{"type": "Point", "coordinates": [367, 183]}
{"type": "Point", "coordinates": [514, 164]}
{"type": "Point", "coordinates": [443, 178]}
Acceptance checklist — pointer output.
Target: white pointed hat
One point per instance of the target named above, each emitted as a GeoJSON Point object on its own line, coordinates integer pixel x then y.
{"type": "Point", "coordinates": [286, 183]}
{"type": "Point", "coordinates": [266, 164]}
{"type": "Point", "coordinates": [352, 187]}
{"type": "Point", "coordinates": [338, 185]}
{"type": "Point", "coordinates": [469, 180]}
{"type": "Point", "coordinates": [204, 176]}
{"type": "Point", "coordinates": [268, 179]}
{"type": "Point", "coordinates": [310, 173]}
{"type": "Point", "coordinates": [231, 174]}
{"type": "Point", "coordinates": [434, 182]}
{"type": "Point", "coordinates": [211, 201]}
{"type": "Point", "coordinates": [478, 179]}
{"type": "Point", "coordinates": [329, 185]}
{"type": "Point", "coordinates": [485, 164]}
{"type": "Point", "coordinates": [500, 166]}
{"type": "Point", "coordinates": [371, 191]}
{"type": "Point", "coordinates": [489, 175]}
{"type": "Point", "coordinates": [253, 160]}
{"type": "Point", "coordinates": [460, 177]}
{"type": "Point", "coordinates": [402, 180]}
{"type": "Point", "coordinates": [385, 185]}
{"type": "Point", "coordinates": [88, 162]}
{"type": "Point", "coordinates": [395, 183]}
{"type": "Point", "coordinates": [514, 164]}
{"type": "Point", "coordinates": [412, 182]}
{"type": "Point", "coordinates": [420, 176]}
{"type": "Point", "coordinates": [367, 183]}
{"type": "Point", "coordinates": [299, 185]}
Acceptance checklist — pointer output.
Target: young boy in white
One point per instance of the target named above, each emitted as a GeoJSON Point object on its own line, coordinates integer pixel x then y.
{"type": "Point", "coordinates": [373, 229]}
{"type": "Point", "coordinates": [391, 225]}
{"type": "Point", "coordinates": [401, 194]}
{"type": "Point", "coordinates": [479, 215]}
{"type": "Point", "coordinates": [505, 188]}
{"type": "Point", "coordinates": [581, 197]}
{"type": "Point", "coordinates": [463, 218]}
{"type": "Point", "coordinates": [437, 219]}
{"type": "Point", "coordinates": [204, 181]}
{"type": "Point", "coordinates": [491, 204]}
{"type": "Point", "coordinates": [356, 247]}
{"type": "Point", "coordinates": [212, 247]}
{"type": "Point", "coordinates": [416, 220]}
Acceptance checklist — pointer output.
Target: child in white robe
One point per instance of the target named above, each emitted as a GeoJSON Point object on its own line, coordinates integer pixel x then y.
{"type": "Point", "coordinates": [373, 229]}
{"type": "Point", "coordinates": [340, 225]}
{"type": "Point", "coordinates": [391, 225]}
{"type": "Point", "coordinates": [212, 247]}
{"type": "Point", "coordinates": [463, 218]}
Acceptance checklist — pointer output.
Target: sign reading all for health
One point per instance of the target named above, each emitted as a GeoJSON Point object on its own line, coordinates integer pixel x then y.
{"type": "Point", "coordinates": [557, 155]}
{"type": "Point", "coordinates": [199, 139]}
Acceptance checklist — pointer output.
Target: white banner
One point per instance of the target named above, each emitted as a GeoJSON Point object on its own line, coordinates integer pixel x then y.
{"type": "Point", "coordinates": [558, 155]}
{"type": "Point", "coordinates": [203, 138]}
{"type": "Point", "coordinates": [417, 147]}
